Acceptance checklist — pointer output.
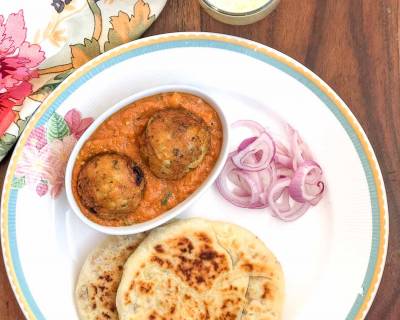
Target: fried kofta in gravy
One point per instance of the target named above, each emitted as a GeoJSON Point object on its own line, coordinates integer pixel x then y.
{"type": "Point", "coordinates": [111, 184]}
{"type": "Point", "coordinates": [174, 142]}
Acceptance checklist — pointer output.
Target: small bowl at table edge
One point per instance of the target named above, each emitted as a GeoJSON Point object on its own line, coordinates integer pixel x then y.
{"type": "Point", "coordinates": [173, 212]}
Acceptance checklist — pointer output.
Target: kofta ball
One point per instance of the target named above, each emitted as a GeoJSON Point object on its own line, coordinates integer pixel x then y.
{"type": "Point", "coordinates": [111, 184]}
{"type": "Point", "coordinates": [174, 142]}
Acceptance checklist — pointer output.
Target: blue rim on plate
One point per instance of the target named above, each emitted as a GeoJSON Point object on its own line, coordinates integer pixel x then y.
{"type": "Point", "coordinates": [379, 237]}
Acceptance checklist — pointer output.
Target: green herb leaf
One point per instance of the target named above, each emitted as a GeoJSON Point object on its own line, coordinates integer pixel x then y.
{"type": "Point", "coordinates": [164, 201]}
{"type": "Point", "coordinates": [18, 182]}
{"type": "Point", "coordinates": [57, 127]}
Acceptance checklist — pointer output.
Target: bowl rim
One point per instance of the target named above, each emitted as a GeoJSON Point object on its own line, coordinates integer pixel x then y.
{"type": "Point", "coordinates": [266, 6]}
{"type": "Point", "coordinates": [178, 209]}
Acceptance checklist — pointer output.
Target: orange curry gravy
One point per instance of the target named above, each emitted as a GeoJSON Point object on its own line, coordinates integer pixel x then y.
{"type": "Point", "coordinates": [120, 133]}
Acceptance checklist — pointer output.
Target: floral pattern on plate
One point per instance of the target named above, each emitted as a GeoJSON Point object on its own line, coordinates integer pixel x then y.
{"type": "Point", "coordinates": [46, 153]}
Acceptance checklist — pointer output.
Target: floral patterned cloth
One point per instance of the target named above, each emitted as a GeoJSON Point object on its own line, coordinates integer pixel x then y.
{"type": "Point", "coordinates": [60, 35]}
{"type": "Point", "coordinates": [18, 62]}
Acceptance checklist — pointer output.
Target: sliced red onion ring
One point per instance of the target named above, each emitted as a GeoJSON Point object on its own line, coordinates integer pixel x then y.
{"type": "Point", "coordinates": [284, 205]}
{"type": "Point", "coordinates": [267, 178]}
{"type": "Point", "coordinates": [258, 193]}
{"type": "Point", "coordinates": [284, 160]}
{"type": "Point", "coordinates": [250, 188]}
{"type": "Point", "coordinates": [246, 142]}
{"type": "Point", "coordinates": [297, 211]}
{"type": "Point", "coordinates": [283, 210]}
{"type": "Point", "coordinates": [307, 184]}
{"type": "Point", "coordinates": [263, 172]}
{"type": "Point", "coordinates": [299, 150]}
{"type": "Point", "coordinates": [257, 155]}
{"type": "Point", "coordinates": [278, 188]}
{"type": "Point", "coordinates": [248, 194]}
{"type": "Point", "coordinates": [297, 157]}
{"type": "Point", "coordinates": [281, 148]}
{"type": "Point", "coordinates": [282, 155]}
{"type": "Point", "coordinates": [247, 183]}
{"type": "Point", "coordinates": [284, 173]}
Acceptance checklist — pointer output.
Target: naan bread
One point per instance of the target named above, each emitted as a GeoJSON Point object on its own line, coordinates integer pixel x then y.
{"type": "Point", "coordinates": [265, 292]}
{"type": "Point", "coordinates": [100, 276]}
{"type": "Point", "coordinates": [198, 269]}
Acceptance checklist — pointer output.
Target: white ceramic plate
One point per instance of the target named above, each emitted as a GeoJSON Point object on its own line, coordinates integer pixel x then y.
{"type": "Point", "coordinates": [333, 257]}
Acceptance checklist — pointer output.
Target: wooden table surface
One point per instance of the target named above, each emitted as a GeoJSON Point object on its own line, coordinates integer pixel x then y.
{"type": "Point", "coordinates": [351, 44]}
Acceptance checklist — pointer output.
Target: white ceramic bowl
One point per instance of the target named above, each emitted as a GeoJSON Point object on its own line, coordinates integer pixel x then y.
{"type": "Point", "coordinates": [172, 213]}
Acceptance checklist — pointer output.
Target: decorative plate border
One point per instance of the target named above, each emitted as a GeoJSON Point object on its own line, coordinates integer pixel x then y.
{"type": "Point", "coordinates": [380, 216]}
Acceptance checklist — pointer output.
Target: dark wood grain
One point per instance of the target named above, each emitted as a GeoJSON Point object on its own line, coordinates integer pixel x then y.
{"type": "Point", "coordinates": [351, 44]}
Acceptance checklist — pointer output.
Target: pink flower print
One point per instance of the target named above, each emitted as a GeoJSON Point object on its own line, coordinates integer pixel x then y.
{"type": "Point", "coordinates": [37, 138]}
{"type": "Point", "coordinates": [7, 116]}
{"type": "Point", "coordinates": [43, 163]}
{"type": "Point", "coordinates": [42, 188]}
{"type": "Point", "coordinates": [18, 57]}
{"type": "Point", "coordinates": [13, 32]}
{"type": "Point", "coordinates": [58, 155]}
{"type": "Point", "coordinates": [33, 164]}
{"type": "Point", "coordinates": [18, 61]}
{"type": "Point", "coordinates": [76, 124]}
{"type": "Point", "coordinates": [13, 96]}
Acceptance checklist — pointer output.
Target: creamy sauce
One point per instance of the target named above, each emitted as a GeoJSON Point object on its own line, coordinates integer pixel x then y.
{"type": "Point", "coordinates": [120, 134]}
{"type": "Point", "coordinates": [238, 6]}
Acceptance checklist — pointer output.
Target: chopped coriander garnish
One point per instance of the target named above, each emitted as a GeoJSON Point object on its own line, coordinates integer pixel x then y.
{"type": "Point", "coordinates": [164, 201]}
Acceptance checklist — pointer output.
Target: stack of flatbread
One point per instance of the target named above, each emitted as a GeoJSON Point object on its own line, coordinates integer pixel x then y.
{"type": "Point", "coordinates": [189, 269]}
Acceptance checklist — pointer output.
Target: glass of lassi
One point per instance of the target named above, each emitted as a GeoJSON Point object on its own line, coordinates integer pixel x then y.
{"type": "Point", "coordinates": [239, 12]}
